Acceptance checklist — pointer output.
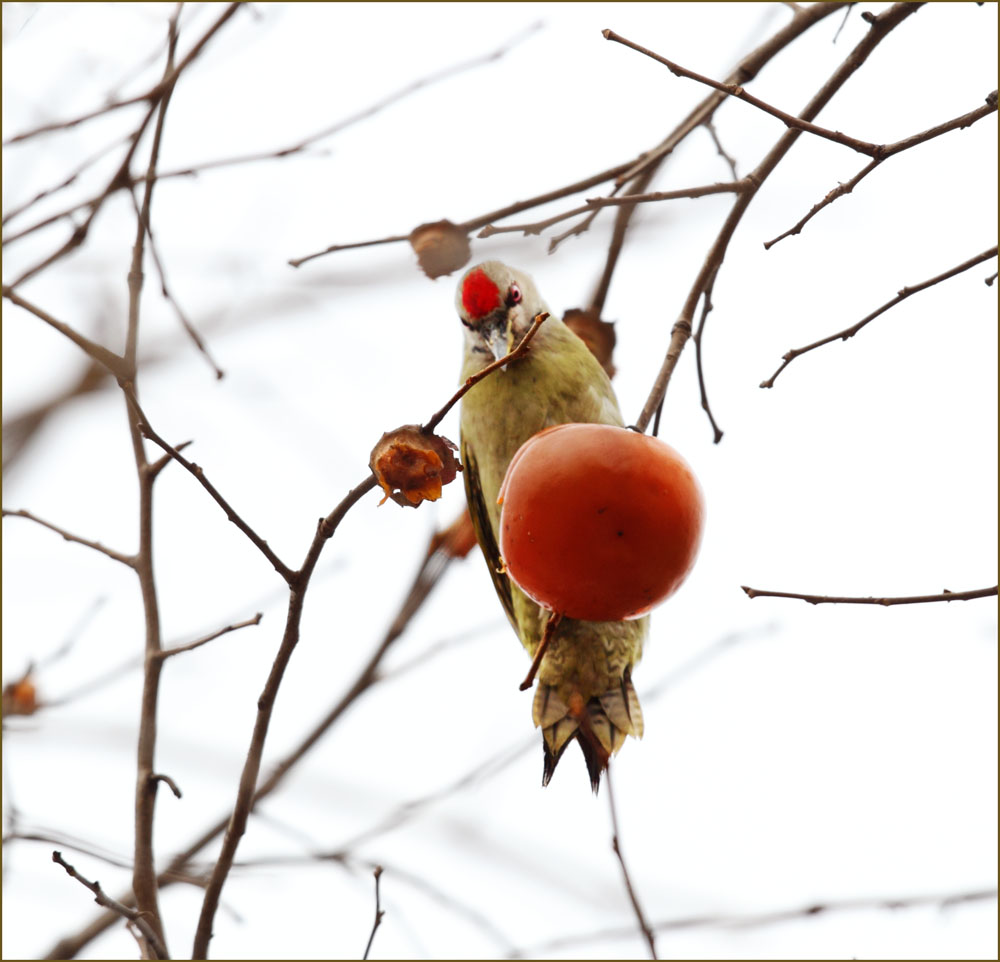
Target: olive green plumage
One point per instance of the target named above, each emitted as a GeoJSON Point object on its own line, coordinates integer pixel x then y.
{"type": "Point", "coordinates": [584, 680]}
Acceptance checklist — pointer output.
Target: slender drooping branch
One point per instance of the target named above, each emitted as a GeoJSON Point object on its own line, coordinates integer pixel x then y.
{"type": "Point", "coordinates": [616, 847]}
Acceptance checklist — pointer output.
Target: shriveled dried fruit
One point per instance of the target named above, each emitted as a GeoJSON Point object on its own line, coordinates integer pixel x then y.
{"type": "Point", "coordinates": [441, 248]}
{"type": "Point", "coordinates": [412, 465]}
{"type": "Point", "coordinates": [598, 335]}
{"type": "Point", "coordinates": [20, 697]}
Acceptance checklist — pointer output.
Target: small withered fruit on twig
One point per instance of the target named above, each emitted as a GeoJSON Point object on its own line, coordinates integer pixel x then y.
{"type": "Point", "coordinates": [598, 335]}
{"type": "Point", "coordinates": [412, 465]}
{"type": "Point", "coordinates": [441, 248]}
{"type": "Point", "coordinates": [21, 697]}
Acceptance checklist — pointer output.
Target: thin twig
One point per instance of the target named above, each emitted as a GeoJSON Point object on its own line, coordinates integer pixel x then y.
{"type": "Point", "coordinates": [735, 187]}
{"type": "Point", "coordinates": [122, 178]}
{"type": "Point", "coordinates": [265, 705]}
{"type": "Point", "coordinates": [428, 576]}
{"type": "Point", "coordinates": [199, 474]}
{"type": "Point", "coordinates": [378, 911]}
{"type": "Point", "coordinates": [537, 227]}
{"type": "Point", "coordinates": [777, 917]}
{"type": "Point", "coordinates": [885, 602]}
{"type": "Point", "coordinates": [74, 634]}
{"type": "Point", "coordinates": [719, 149]}
{"type": "Point", "coordinates": [843, 23]}
{"type": "Point", "coordinates": [68, 182]}
{"type": "Point", "coordinates": [744, 72]}
{"type": "Point", "coordinates": [152, 96]}
{"type": "Point", "coordinates": [279, 153]}
{"type": "Point", "coordinates": [879, 28]}
{"type": "Point", "coordinates": [102, 898]}
{"type": "Point", "coordinates": [640, 174]}
{"type": "Point", "coordinates": [966, 120]}
{"type": "Point", "coordinates": [901, 296]}
{"type": "Point", "coordinates": [114, 364]}
{"type": "Point", "coordinates": [736, 90]}
{"type": "Point", "coordinates": [168, 781]}
{"type": "Point", "coordinates": [484, 220]}
{"type": "Point", "coordinates": [406, 811]}
{"type": "Point", "coordinates": [125, 559]}
{"type": "Point", "coordinates": [190, 646]}
{"type": "Point", "coordinates": [471, 382]}
{"type": "Point", "coordinates": [706, 307]}
{"type": "Point", "coordinates": [185, 322]}
{"type": "Point", "coordinates": [647, 932]}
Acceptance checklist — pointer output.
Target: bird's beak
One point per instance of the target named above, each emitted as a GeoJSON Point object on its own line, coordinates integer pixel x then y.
{"type": "Point", "coordinates": [499, 336]}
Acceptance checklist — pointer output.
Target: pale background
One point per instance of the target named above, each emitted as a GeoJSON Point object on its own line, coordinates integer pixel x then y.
{"type": "Point", "coordinates": [793, 754]}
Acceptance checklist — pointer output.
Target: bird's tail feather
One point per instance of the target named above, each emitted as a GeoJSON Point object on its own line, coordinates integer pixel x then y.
{"type": "Point", "coordinates": [600, 727]}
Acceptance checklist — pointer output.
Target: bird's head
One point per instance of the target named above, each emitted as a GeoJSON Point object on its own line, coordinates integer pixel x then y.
{"type": "Point", "coordinates": [497, 304]}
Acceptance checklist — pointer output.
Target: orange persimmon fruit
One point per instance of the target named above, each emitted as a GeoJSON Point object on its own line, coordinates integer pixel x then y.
{"type": "Point", "coordinates": [598, 522]}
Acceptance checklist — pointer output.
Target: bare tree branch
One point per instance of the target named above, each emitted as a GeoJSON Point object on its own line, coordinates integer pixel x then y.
{"type": "Point", "coordinates": [647, 932]}
{"type": "Point", "coordinates": [640, 174]}
{"type": "Point", "coordinates": [879, 28]}
{"type": "Point", "coordinates": [966, 120]}
{"type": "Point", "coordinates": [151, 96]}
{"type": "Point", "coordinates": [144, 883]}
{"type": "Point", "coordinates": [378, 912]}
{"type": "Point", "coordinates": [185, 322]}
{"type": "Point", "coordinates": [101, 898]}
{"type": "Point", "coordinates": [114, 364]}
{"type": "Point", "coordinates": [777, 917]}
{"type": "Point", "coordinates": [190, 646]}
{"type": "Point", "coordinates": [265, 705]}
{"type": "Point", "coordinates": [901, 296]}
{"type": "Point", "coordinates": [197, 471]}
{"type": "Point", "coordinates": [125, 559]}
{"type": "Point", "coordinates": [706, 308]}
{"type": "Point", "coordinates": [885, 602]}
{"type": "Point", "coordinates": [735, 90]}
{"type": "Point", "coordinates": [427, 577]}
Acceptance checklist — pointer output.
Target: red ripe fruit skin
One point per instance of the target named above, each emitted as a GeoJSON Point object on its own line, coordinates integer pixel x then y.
{"type": "Point", "coordinates": [598, 522]}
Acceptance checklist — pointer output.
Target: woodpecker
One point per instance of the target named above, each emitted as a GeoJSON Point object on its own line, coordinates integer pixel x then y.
{"type": "Point", "coordinates": [584, 689]}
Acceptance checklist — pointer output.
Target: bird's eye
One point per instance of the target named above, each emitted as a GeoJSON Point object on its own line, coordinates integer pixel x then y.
{"type": "Point", "coordinates": [514, 294]}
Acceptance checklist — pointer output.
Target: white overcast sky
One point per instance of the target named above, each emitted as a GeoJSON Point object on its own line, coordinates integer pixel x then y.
{"type": "Point", "coordinates": [793, 754]}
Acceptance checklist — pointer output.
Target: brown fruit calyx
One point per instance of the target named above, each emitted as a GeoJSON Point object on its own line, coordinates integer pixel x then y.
{"type": "Point", "coordinates": [412, 465]}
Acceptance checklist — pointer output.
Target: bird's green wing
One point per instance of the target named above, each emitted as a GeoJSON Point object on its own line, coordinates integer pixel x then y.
{"type": "Point", "coordinates": [484, 529]}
